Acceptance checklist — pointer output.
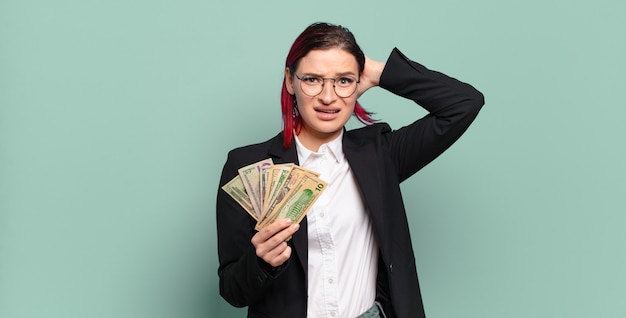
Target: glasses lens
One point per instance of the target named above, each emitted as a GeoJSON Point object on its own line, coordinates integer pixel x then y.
{"type": "Point", "coordinates": [313, 86]}
{"type": "Point", "coordinates": [345, 86]}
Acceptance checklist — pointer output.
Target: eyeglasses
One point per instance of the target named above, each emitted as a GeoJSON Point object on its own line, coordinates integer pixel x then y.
{"type": "Point", "coordinates": [312, 86]}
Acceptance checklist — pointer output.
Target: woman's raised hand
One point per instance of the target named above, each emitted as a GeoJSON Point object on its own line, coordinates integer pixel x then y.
{"type": "Point", "coordinates": [371, 75]}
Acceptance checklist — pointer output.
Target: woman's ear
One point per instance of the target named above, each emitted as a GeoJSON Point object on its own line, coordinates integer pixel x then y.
{"type": "Point", "coordinates": [289, 81]}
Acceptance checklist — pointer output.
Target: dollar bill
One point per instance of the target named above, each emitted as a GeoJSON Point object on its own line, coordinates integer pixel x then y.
{"type": "Point", "coordinates": [263, 184]}
{"type": "Point", "coordinates": [268, 192]}
{"type": "Point", "coordinates": [251, 176]}
{"type": "Point", "coordinates": [237, 191]}
{"type": "Point", "coordinates": [277, 175]}
{"type": "Point", "coordinates": [280, 191]}
{"type": "Point", "coordinates": [297, 202]}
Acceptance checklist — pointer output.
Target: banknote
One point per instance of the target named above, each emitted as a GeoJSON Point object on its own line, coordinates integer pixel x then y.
{"type": "Point", "coordinates": [263, 180]}
{"type": "Point", "coordinates": [280, 191]}
{"type": "Point", "coordinates": [269, 192]}
{"type": "Point", "coordinates": [297, 201]}
{"type": "Point", "coordinates": [251, 176]}
{"type": "Point", "coordinates": [237, 191]}
{"type": "Point", "coordinates": [276, 177]}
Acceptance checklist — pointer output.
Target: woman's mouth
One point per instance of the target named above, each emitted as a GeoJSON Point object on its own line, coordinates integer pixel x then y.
{"type": "Point", "coordinates": [327, 114]}
{"type": "Point", "coordinates": [327, 111]}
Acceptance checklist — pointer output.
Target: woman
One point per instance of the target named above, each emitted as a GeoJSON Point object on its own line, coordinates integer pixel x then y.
{"type": "Point", "coordinates": [352, 255]}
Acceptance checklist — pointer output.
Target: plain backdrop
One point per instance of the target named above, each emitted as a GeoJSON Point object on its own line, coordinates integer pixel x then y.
{"type": "Point", "coordinates": [116, 117]}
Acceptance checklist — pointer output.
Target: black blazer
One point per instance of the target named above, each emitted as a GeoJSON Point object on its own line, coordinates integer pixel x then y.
{"type": "Point", "coordinates": [380, 159]}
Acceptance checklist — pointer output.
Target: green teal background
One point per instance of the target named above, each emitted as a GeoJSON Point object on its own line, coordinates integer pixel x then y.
{"type": "Point", "coordinates": [116, 117]}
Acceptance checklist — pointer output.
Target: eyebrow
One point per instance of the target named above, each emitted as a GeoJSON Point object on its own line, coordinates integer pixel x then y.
{"type": "Point", "coordinates": [336, 74]}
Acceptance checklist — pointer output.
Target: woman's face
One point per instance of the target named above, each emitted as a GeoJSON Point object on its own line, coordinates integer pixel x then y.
{"type": "Point", "coordinates": [325, 114]}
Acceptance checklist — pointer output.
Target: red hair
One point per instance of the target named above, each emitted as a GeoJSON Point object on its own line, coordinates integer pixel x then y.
{"type": "Point", "coordinates": [318, 36]}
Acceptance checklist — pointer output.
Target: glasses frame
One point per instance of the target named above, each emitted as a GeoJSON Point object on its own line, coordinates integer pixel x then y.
{"type": "Point", "coordinates": [324, 83]}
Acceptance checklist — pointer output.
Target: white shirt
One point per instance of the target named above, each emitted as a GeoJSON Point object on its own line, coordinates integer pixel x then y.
{"type": "Point", "coordinates": [343, 252]}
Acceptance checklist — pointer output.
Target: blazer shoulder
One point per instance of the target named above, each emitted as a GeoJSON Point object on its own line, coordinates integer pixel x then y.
{"type": "Point", "coordinates": [261, 148]}
{"type": "Point", "coordinates": [245, 155]}
{"type": "Point", "coordinates": [368, 133]}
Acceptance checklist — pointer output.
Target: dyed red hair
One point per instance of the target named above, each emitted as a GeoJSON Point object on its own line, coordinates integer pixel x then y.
{"type": "Point", "coordinates": [318, 36]}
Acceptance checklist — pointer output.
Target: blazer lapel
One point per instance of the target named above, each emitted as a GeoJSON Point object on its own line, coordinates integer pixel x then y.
{"type": "Point", "coordinates": [362, 159]}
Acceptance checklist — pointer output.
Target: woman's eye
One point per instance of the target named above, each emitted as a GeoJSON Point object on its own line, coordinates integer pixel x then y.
{"type": "Point", "coordinates": [310, 80]}
{"type": "Point", "coordinates": [346, 80]}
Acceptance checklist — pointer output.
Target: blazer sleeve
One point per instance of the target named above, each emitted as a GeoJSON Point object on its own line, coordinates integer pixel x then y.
{"type": "Point", "coordinates": [452, 106]}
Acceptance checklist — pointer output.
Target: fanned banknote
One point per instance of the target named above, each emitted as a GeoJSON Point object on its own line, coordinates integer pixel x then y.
{"type": "Point", "coordinates": [296, 203]}
{"type": "Point", "coordinates": [270, 192]}
{"type": "Point", "coordinates": [251, 178]}
{"type": "Point", "coordinates": [276, 176]}
{"type": "Point", "coordinates": [282, 189]}
{"type": "Point", "coordinates": [238, 192]}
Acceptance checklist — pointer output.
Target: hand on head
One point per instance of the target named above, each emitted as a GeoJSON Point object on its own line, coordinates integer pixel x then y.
{"type": "Point", "coordinates": [371, 75]}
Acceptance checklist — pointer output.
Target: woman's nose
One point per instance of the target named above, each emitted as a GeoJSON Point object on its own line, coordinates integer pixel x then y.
{"type": "Point", "coordinates": [328, 94]}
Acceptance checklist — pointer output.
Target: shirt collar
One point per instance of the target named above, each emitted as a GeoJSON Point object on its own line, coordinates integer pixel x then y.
{"type": "Point", "coordinates": [334, 147]}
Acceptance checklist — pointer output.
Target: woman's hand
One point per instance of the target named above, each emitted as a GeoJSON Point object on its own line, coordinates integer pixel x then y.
{"type": "Point", "coordinates": [271, 242]}
{"type": "Point", "coordinates": [371, 75]}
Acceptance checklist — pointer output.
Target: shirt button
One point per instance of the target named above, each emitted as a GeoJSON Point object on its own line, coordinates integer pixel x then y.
{"type": "Point", "coordinates": [333, 314]}
{"type": "Point", "coordinates": [330, 281]}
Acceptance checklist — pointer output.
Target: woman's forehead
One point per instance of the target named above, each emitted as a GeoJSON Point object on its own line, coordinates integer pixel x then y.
{"type": "Point", "coordinates": [328, 61]}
